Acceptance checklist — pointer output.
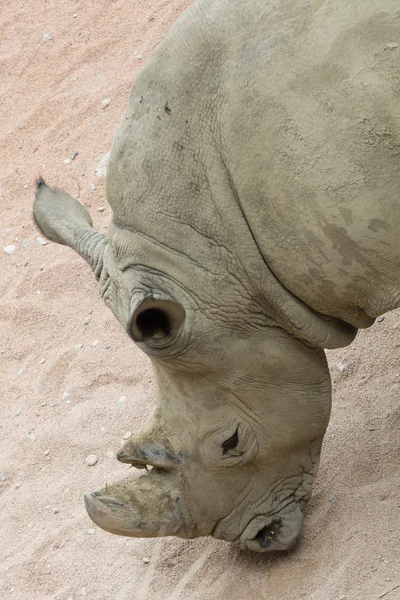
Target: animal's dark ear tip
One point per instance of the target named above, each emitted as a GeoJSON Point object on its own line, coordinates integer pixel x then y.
{"type": "Point", "coordinates": [39, 183]}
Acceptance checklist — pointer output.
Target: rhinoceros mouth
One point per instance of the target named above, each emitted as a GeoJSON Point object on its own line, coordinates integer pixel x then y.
{"type": "Point", "coordinates": [265, 533]}
{"type": "Point", "coordinates": [272, 533]}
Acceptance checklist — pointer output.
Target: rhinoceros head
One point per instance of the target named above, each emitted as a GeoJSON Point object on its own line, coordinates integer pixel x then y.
{"type": "Point", "coordinates": [242, 405]}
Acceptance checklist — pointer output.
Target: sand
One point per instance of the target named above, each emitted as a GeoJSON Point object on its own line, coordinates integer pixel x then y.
{"type": "Point", "coordinates": [61, 402]}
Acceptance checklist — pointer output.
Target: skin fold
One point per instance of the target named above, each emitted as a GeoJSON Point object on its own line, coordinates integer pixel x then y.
{"type": "Point", "coordinates": [255, 187]}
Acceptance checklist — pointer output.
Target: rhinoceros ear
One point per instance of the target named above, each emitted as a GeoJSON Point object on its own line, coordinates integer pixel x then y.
{"type": "Point", "coordinates": [64, 220]}
{"type": "Point", "coordinates": [157, 321]}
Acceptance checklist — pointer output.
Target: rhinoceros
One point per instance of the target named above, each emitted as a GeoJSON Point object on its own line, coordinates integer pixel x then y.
{"type": "Point", "coordinates": [255, 187]}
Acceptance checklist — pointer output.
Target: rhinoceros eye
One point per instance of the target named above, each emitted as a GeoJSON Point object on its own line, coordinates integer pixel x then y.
{"type": "Point", "coordinates": [231, 443]}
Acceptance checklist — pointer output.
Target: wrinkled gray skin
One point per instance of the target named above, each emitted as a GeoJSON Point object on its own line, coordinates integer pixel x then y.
{"type": "Point", "coordinates": [255, 188]}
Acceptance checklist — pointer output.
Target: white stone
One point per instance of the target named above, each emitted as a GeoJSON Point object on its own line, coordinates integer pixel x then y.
{"type": "Point", "coordinates": [146, 560]}
{"type": "Point", "coordinates": [95, 343]}
{"type": "Point", "coordinates": [91, 460]}
{"type": "Point", "coordinates": [92, 187]}
{"type": "Point", "coordinates": [67, 161]}
{"type": "Point", "coordinates": [10, 249]}
{"type": "Point", "coordinates": [41, 241]}
{"type": "Point", "coordinates": [101, 169]}
{"type": "Point", "coordinates": [127, 435]}
{"type": "Point", "coordinates": [105, 102]}
{"type": "Point", "coordinates": [122, 400]}
{"type": "Point", "coordinates": [101, 208]}
{"type": "Point", "coordinates": [47, 37]}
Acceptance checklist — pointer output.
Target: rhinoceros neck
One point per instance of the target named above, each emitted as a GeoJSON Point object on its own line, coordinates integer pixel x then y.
{"type": "Point", "coordinates": [233, 154]}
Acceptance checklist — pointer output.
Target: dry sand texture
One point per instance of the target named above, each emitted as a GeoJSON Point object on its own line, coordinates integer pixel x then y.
{"type": "Point", "coordinates": [61, 393]}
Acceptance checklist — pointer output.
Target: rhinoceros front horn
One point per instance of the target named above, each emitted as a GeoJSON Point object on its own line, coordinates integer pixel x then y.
{"type": "Point", "coordinates": [64, 220]}
{"type": "Point", "coordinates": [150, 506]}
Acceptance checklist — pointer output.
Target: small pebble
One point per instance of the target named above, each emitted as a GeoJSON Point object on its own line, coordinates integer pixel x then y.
{"type": "Point", "coordinates": [93, 187]}
{"type": "Point", "coordinates": [25, 243]}
{"type": "Point", "coordinates": [56, 511]}
{"type": "Point", "coordinates": [25, 188]}
{"type": "Point", "coordinates": [46, 452]}
{"type": "Point", "coordinates": [31, 436]}
{"type": "Point", "coordinates": [139, 57]}
{"type": "Point", "coordinates": [380, 319]}
{"type": "Point", "coordinates": [17, 412]}
{"type": "Point", "coordinates": [95, 343]}
{"type": "Point", "coordinates": [43, 360]}
{"type": "Point", "coordinates": [41, 268]}
{"type": "Point", "coordinates": [74, 155]}
{"type": "Point", "coordinates": [122, 400]}
{"type": "Point", "coordinates": [22, 126]}
{"type": "Point", "coordinates": [75, 15]}
{"type": "Point", "coordinates": [20, 372]}
{"type": "Point", "coordinates": [341, 367]}
{"type": "Point", "coordinates": [47, 37]}
{"type": "Point", "coordinates": [10, 249]}
{"type": "Point", "coordinates": [41, 241]}
{"type": "Point", "coordinates": [105, 102]}
{"type": "Point", "coordinates": [146, 560]}
{"type": "Point", "coordinates": [91, 460]}
{"type": "Point", "coordinates": [65, 395]}
{"type": "Point", "coordinates": [11, 590]}
{"type": "Point", "coordinates": [43, 404]}
{"type": "Point", "coordinates": [101, 208]}
{"type": "Point", "coordinates": [108, 347]}
{"type": "Point", "coordinates": [78, 346]}
{"type": "Point", "coordinates": [67, 161]}
{"type": "Point", "coordinates": [53, 405]}
{"type": "Point", "coordinates": [38, 291]}
{"type": "Point", "coordinates": [127, 435]}
{"type": "Point", "coordinates": [86, 320]}
{"type": "Point", "coordinates": [2, 477]}
{"type": "Point", "coordinates": [91, 531]}
{"type": "Point", "coordinates": [110, 454]}
{"type": "Point", "coordinates": [331, 498]}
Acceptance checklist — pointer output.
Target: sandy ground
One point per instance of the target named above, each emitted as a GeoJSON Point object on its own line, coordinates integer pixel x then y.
{"type": "Point", "coordinates": [61, 402]}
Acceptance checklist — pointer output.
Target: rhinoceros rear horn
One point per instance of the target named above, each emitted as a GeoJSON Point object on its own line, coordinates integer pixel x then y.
{"type": "Point", "coordinates": [150, 506]}
{"type": "Point", "coordinates": [64, 220]}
